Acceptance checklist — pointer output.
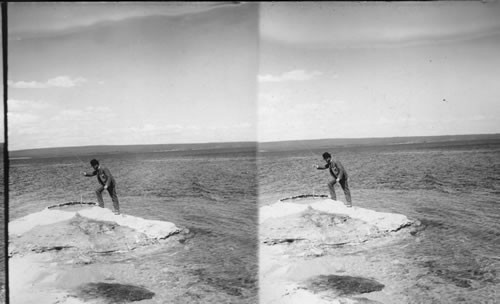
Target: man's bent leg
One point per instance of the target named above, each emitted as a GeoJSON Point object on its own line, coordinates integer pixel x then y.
{"type": "Point", "coordinates": [347, 192]}
{"type": "Point", "coordinates": [331, 186]}
{"type": "Point", "coordinates": [98, 193]}
{"type": "Point", "coordinates": [114, 198]}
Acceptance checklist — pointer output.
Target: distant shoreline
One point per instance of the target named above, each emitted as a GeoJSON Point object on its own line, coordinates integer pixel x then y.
{"type": "Point", "coordinates": [263, 147]}
{"type": "Point", "coordinates": [381, 143]}
{"type": "Point", "coordinates": [375, 141]}
{"type": "Point", "coordinates": [131, 149]}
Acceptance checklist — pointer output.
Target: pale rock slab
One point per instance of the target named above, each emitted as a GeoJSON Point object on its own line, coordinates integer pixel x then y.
{"type": "Point", "coordinates": [298, 242]}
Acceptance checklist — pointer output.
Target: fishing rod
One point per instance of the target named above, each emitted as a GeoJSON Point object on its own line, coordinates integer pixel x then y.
{"type": "Point", "coordinates": [63, 174]}
{"type": "Point", "coordinates": [314, 166]}
{"type": "Point", "coordinates": [69, 179]}
{"type": "Point", "coordinates": [308, 150]}
{"type": "Point", "coordinates": [76, 155]}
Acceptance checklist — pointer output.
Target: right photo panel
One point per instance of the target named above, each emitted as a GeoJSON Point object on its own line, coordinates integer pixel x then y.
{"type": "Point", "coordinates": [379, 152]}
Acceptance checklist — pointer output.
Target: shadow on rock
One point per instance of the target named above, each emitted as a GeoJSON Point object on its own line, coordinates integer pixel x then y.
{"type": "Point", "coordinates": [343, 285]}
{"type": "Point", "coordinates": [114, 293]}
{"type": "Point", "coordinates": [234, 286]}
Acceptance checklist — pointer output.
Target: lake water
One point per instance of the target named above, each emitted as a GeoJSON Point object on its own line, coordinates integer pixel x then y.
{"type": "Point", "coordinates": [213, 195]}
{"type": "Point", "coordinates": [453, 190]}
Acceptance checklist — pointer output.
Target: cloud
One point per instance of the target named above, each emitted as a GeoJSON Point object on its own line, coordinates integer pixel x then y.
{"type": "Point", "coordinates": [160, 128]}
{"type": "Point", "coordinates": [243, 125]}
{"type": "Point", "coordinates": [159, 132]}
{"type": "Point", "coordinates": [156, 129]}
{"type": "Point", "coordinates": [17, 105]}
{"type": "Point", "coordinates": [378, 24]}
{"type": "Point", "coordinates": [25, 84]}
{"type": "Point", "coordinates": [53, 126]}
{"type": "Point", "coordinates": [25, 116]}
{"type": "Point", "coordinates": [40, 19]}
{"type": "Point", "coordinates": [18, 119]}
{"type": "Point", "coordinates": [86, 115]}
{"type": "Point", "coordinates": [295, 75]}
{"type": "Point", "coordinates": [478, 117]}
{"type": "Point", "coordinates": [397, 120]}
{"type": "Point", "coordinates": [65, 82]}
{"type": "Point", "coordinates": [56, 82]}
{"type": "Point", "coordinates": [284, 117]}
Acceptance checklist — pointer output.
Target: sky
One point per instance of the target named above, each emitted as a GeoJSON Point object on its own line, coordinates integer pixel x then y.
{"type": "Point", "coordinates": [382, 69]}
{"type": "Point", "coordinates": [131, 73]}
{"type": "Point", "coordinates": [160, 73]}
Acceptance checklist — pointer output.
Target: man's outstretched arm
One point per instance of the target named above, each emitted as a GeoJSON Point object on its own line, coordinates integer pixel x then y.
{"type": "Point", "coordinates": [322, 167]}
{"type": "Point", "coordinates": [89, 174]}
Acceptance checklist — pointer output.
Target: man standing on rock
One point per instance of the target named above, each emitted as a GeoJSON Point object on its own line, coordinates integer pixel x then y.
{"type": "Point", "coordinates": [339, 175]}
{"type": "Point", "coordinates": [107, 183]}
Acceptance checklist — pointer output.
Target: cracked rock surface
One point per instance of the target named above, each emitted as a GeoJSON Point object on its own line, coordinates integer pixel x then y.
{"type": "Point", "coordinates": [85, 256]}
{"type": "Point", "coordinates": [316, 251]}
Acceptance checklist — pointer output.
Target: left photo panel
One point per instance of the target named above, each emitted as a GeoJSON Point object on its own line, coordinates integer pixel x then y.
{"type": "Point", "coordinates": [132, 152]}
{"type": "Point", "coordinates": [3, 186]}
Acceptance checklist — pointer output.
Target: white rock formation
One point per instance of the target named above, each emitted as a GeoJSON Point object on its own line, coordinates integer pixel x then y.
{"type": "Point", "coordinates": [303, 240]}
{"type": "Point", "coordinates": [55, 252]}
{"type": "Point", "coordinates": [151, 228]}
{"type": "Point", "coordinates": [383, 221]}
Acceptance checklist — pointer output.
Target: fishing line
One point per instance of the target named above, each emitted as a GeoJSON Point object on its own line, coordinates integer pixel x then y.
{"type": "Point", "coordinates": [315, 156]}
{"type": "Point", "coordinates": [71, 180]}
{"type": "Point", "coordinates": [308, 149]}
{"type": "Point", "coordinates": [58, 173]}
{"type": "Point", "coordinates": [85, 163]}
{"type": "Point", "coordinates": [76, 155]}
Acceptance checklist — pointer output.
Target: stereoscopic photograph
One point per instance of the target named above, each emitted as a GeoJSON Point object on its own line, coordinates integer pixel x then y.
{"type": "Point", "coordinates": [251, 152]}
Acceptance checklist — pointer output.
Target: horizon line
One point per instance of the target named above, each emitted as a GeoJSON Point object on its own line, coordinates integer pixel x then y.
{"type": "Point", "coordinates": [382, 137]}
{"type": "Point", "coordinates": [257, 142]}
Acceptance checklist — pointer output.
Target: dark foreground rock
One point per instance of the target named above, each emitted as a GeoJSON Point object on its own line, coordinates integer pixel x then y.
{"type": "Point", "coordinates": [113, 293]}
{"type": "Point", "coordinates": [343, 285]}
